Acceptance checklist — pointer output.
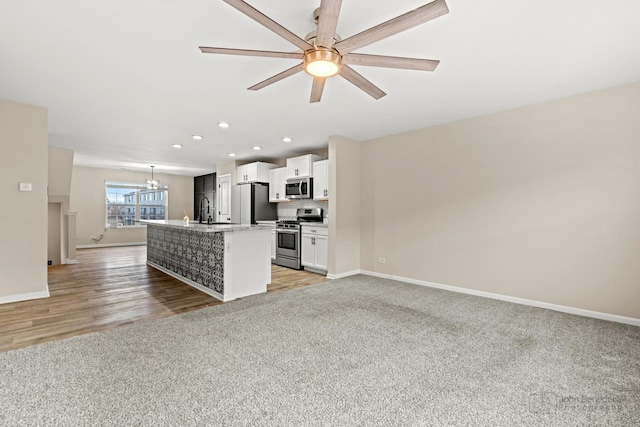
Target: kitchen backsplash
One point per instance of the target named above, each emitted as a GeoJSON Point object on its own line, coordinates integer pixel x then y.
{"type": "Point", "coordinates": [288, 210]}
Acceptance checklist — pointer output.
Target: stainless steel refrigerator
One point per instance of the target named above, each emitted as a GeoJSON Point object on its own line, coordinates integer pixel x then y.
{"type": "Point", "coordinates": [250, 203]}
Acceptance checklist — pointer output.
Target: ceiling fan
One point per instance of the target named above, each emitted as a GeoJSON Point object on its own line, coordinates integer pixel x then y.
{"type": "Point", "coordinates": [324, 54]}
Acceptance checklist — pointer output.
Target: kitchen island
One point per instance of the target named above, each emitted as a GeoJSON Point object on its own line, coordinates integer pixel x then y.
{"type": "Point", "coordinates": [226, 261]}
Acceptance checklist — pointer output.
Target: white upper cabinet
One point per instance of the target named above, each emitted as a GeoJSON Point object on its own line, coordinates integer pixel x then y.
{"type": "Point", "coordinates": [301, 166]}
{"type": "Point", "coordinates": [321, 180]}
{"type": "Point", "coordinates": [254, 172]}
{"type": "Point", "coordinates": [277, 181]}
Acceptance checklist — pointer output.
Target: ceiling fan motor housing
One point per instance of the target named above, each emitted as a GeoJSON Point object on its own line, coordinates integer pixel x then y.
{"type": "Point", "coordinates": [311, 38]}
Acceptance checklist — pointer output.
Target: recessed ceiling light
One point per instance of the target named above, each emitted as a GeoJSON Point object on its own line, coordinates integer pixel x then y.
{"type": "Point", "coordinates": [286, 139]}
{"type": "Point", "coordinates": [232, 154]}
{"type": "Point", "coordinates": [257, 148]}
{"type": "Point", "coordinates": [176, 145]}
{"type": "Point", "coordinates": [223, 125]}
{"type": "Point", "coordinates": [196, 137]}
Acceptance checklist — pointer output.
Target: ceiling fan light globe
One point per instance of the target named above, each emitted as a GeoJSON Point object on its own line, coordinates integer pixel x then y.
{"type": "Point", "coordinates": [322, 69]}
{"type": "Point", "coordinates": [322, 63]}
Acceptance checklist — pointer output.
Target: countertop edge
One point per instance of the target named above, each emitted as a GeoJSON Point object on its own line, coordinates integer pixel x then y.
{"type": "Point", "coordinates": [315, 224]}
{"type": "Point", "coordinates": [206, 228]}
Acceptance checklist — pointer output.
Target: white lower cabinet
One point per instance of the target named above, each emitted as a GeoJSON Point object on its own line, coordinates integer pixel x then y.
{"type": "Point", "coordinates": [315, 248]}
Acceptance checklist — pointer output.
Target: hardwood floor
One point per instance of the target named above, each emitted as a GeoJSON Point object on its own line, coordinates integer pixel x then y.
{"type": "Point", "coordinates": [108, 288]}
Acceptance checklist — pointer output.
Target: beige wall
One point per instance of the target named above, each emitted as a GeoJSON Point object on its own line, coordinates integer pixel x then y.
{"type": "Point", "coordinates": [282, 161]}
{"type": "Point", "coordinates": [539, 203]}
{"type": "Point", "coordinates": [345, 162]}
{"type": "Point", "coordinates": [60, 163]}
{"type": "Point", "coordinates": [23, 219]}
{"type": "Point", "coordinates": [88, 200]}
{"type": "Point", "coordinates": [54, 233]}
{"type": "Point", "coordinates": [60, 171]}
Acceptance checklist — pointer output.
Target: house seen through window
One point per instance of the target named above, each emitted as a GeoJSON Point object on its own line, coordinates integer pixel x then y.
{"type": "Point", "coordinates": [127, 203]}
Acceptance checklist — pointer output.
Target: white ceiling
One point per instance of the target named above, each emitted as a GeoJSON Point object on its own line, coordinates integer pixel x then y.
{"type": "Point", "coordinates": [123, 79]}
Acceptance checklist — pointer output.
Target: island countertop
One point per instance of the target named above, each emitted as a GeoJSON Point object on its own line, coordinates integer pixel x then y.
{"type": "Point", "coordinates": [204, 227]}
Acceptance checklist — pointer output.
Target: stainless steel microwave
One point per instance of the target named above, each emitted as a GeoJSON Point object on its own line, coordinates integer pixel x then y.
{"type": "Point", "coordinates": [299, 188]}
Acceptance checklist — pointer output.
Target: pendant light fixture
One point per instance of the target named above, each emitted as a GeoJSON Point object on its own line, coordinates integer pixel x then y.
{"type": "Point", "coordinates": [152, 184]}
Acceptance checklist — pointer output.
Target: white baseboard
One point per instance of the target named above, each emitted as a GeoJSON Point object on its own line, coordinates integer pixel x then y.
{"type": "Point", "coordinates": [110, 245]}
{"type": "Point", "coordinates": [24, 297]}
{"type": "Point", "coordinates": [556, 307]}
{"type": "Point", "coordinates": [314, 270]}
{"type": "Point", "coordinates": [71, 261]}
{"type": "Point", "coordinates": [341, 275]}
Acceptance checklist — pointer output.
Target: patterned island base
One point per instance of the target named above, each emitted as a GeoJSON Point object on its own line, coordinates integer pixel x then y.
{"type": "Point", "coordinates": [225, 261]}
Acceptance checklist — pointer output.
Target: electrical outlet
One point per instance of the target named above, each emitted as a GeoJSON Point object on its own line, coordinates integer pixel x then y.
{"type": "Point", "coordinates": [382, 260]}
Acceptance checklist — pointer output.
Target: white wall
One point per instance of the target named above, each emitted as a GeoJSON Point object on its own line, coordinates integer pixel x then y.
{"type": "Point", "coordinates": [23, 219]}
{"type": "Point", "coordinates": [88, 200]}
{"type": "Point", "coordinates": [540, 203]}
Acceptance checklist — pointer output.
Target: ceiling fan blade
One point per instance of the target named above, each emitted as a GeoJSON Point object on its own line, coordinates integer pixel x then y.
{"type": "Point", "coordinates": [317, 88]}
{"type": "Point", "coordinates": [259, 17]}
{"type": "Point", "coordinates": [327, 22]}
{"type": "Point", "coordinates": [394, 26]}
{"type": "Point", "coordinates": [291, 71]}
{"type": "Point", "coordinates": [390, 62]}
{"type": "Point", "coordinates": [248, 52]}
{"type": "Point", "coordinates": [364, 84]}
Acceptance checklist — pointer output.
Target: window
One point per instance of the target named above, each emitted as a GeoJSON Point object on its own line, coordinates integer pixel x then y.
{"type": "Point", "coordinates": [128, 203]}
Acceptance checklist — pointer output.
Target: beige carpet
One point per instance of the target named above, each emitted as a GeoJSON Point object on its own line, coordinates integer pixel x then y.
{"type": "Point", "coordinates": [354, 351]}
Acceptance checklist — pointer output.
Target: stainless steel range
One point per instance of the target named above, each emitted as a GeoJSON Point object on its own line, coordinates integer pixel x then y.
{"type": "Point", "coordinates": [288, 239]}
